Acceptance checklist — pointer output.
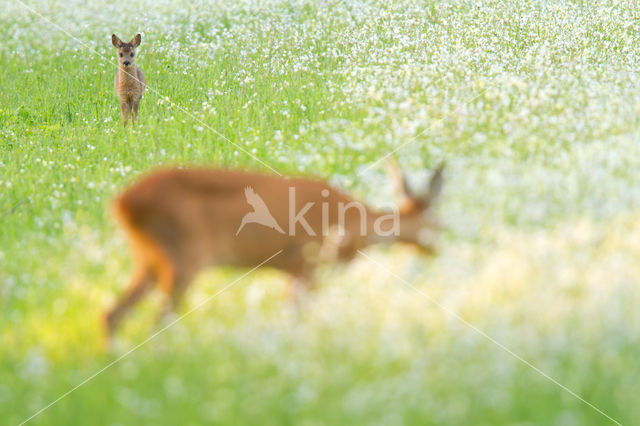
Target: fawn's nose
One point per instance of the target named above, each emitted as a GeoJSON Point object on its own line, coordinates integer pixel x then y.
{"type": "Point", "coordinates": [127, 63]}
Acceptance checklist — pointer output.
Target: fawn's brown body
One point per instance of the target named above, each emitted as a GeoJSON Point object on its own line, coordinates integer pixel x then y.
{"type": "Point", "coordinates": [129, 81]}
{"type": "Point", "coordinates": [180, 221]}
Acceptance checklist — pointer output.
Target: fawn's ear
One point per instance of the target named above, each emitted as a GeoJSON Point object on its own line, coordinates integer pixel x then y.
{"type": "Point", "coordinates": [136, 40]}
{"type": "Point", "coordinates": [116, 41]}
{"type": "Point", "coordinates": [435, 186]}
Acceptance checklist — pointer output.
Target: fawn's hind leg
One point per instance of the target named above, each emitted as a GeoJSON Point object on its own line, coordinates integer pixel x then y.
{"type": "Point", "coordinates": [140, 285]}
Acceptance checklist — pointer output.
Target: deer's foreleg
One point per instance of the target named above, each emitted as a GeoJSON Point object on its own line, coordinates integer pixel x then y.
{"type": "Point", "coordinates": [134, 116]}
{"type": "Point", "coordinates": [126, 111]}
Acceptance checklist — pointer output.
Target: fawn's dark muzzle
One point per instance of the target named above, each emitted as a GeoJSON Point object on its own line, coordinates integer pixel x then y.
{"type": "Point", "coordinates": [127, 63]}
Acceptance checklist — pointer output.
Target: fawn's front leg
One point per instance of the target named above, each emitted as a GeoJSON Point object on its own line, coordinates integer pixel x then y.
{"type": "Point", "coordinates": [134, 116]}
{"type": "Point", "coordinates": [126, 111]}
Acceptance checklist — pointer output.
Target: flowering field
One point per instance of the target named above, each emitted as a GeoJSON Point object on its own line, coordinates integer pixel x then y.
{"type": "Point", "coordinates": [529, 313]}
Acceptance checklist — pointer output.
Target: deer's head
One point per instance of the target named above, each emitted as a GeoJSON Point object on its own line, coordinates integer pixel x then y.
{"type": "Point", "coordinates": [126, 51]}
{"type": "Point", "coordinates": [419, 223]}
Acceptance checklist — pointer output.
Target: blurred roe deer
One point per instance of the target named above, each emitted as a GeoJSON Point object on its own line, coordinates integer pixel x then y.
{"type": "Point", "coordinates": [182, 220]}
{"type": "Point", "coordinates": [129, 81]}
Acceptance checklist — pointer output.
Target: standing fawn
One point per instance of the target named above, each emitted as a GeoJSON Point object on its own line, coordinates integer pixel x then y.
{"type": "Point", "coordinates": [129, 81]}
{"type": "Point", "coordinates": [182, 220]}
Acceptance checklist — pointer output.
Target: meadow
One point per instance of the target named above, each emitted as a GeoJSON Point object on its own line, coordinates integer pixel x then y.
{"type": "Point", "coordinates": [535, 108]}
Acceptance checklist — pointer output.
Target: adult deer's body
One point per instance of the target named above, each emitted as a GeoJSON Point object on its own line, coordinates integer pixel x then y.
{"type": "Point", "coordinates": [180, 221]}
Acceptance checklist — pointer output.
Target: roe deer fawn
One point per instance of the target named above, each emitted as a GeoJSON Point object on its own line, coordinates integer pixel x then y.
{"type": "Point", "coordinates": [129, 81]}
{"type": "Point", "coordinates": [181, 220]}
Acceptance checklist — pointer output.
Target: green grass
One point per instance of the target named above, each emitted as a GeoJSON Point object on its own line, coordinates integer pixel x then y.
{"type": "Point", "coordinates": [534, 106]}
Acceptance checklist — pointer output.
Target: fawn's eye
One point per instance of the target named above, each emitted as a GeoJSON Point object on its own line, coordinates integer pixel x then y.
{"type": "Point", "coordinates": [121, 55]}
{"type": "Point", "coordinates": [132, 55]}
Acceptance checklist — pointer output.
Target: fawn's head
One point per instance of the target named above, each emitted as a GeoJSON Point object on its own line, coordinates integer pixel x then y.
{"type": "Point", "coordinates": [419, 223]}
{"type": "Point", "coordinates": [126, 51]}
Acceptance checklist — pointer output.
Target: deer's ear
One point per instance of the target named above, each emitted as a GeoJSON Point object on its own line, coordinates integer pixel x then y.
{"type": "Point", "coordinates": [401, 188]}
{"type": "Point", "coordinates": [116, 41]}
{"type": "Point", "coordinates": [136, 40]}
{"type": "Point", "coordinates": [435, 186]}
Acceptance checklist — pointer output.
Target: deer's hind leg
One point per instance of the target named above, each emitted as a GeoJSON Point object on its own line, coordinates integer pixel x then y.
{"type": "Point", "coordinates": [141, 283]}
{"type": "Point", "coordinates": [301, 282]}
{"type": "Point", "coordinates": [174, 282]}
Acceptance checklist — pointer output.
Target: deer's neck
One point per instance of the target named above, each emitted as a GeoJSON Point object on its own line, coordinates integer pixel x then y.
{"type": "Point", "coordinates": [127, 74]}
{"type": "Point", "coordinates": [383, 226]}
